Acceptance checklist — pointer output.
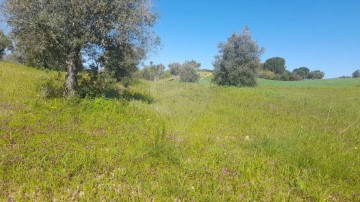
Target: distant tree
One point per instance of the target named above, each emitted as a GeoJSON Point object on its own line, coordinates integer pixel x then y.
{"type": "Point", "coordinates": [13, 57]}
{"type": "Point", "coordinates": [317, 74]}
{"type": "Point", "coordinates": [59, 30]}
{"type": "Point", "coordinates": [188, 71]}
{"type": "Point", "coordinates": [295, 77]}
{"type": "Point", "coordinates": [275, 64]}
{"type": "Point", "coordinates": [174, 68]}
{"type": "Point", "coordinates": [120, 60]}
{"type": "Point", "coordinates": [356, 74]}
{"type": "Point", "coordinates": [5, 43]}
{"type": "Point", "coordinates": [238, 60]}
{"type": "Point", "coordinates": [285, 76]}
{"type": "Point", "coordinates": [152, 72]}
{"type": "Point", "coordinates": [302, 71]}
{"type": "Point", "coordinates": [193, 64]}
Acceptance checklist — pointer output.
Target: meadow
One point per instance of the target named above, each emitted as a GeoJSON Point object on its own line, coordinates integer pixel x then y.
{"type": "Point", "coordinates": [280, 141]}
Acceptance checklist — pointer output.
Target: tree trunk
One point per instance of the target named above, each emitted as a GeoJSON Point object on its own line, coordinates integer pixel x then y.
{"type": "Point", "coordinates": [71, 77]}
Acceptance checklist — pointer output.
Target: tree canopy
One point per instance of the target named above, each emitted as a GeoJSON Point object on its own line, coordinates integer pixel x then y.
{"type": "Point", "coordinates": [356, 74]}
{"type": "Point", "coordinates": [55, 32]}
{"type": "Point", "coordinates": [238, 60]}
{"type": "Point", "coordinates": [317, 74]}
{"type": "Point", "coordinates": [175, 68]}
{"type": "Point", "coordinates": [302, 71]}
{"type": "Point", "coordinates": [189, 71]}
{"type": "Point", "coordinates": [152, 72]}
{"type": "Point", "coordinates": [275, 64]}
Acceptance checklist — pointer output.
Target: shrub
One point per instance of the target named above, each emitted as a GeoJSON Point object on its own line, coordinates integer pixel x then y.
{"type": "Point", "coordinates": [52, 87]}
{"type": "Point", "coordinates": [167, 74]}
{"type": "Point", "coordinates": [175, 68]}
{"type": "Point", "coordinates": [188, 73]}
{"type": "Point", "coordinates": [317, 74]}
{"type": "Point", "coordinates": [266, 74]}
{"type": "Point", "coordinates": [103, 85]}
{"type": "Point", "coordinates": [152, 72]}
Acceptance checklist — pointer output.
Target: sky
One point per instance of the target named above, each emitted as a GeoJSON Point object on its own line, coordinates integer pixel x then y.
{"type": "Point", "coordinates": [318, 34]}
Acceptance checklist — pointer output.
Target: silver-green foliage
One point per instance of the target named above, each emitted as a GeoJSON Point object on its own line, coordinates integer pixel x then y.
{"type": "Point", "coordinates": [59, 30]}
{"type": "Point", "coordinates": [238, 60]}
{"type": "Point", "coordinates": [152, 72]}
{"type": "Point", "coordinates": [187, 71]}
{"type": "Point", "coordinates": [356, 74]}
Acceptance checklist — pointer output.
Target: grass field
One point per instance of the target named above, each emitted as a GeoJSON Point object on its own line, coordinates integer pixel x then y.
{"type": "Point", "coordinates": [280, 141]}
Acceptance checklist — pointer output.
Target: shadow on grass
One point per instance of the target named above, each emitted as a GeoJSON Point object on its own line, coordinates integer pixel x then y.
{"type": "Point", "coordinates": [128, 95]}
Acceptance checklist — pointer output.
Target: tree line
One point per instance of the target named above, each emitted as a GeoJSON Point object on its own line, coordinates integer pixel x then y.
{"type": "Point", "coordinates": [186, 71]}
{"type": "Point", "coordinates": [275, 69]}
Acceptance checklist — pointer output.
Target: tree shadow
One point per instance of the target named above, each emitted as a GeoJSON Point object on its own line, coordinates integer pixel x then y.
{"type": "Point", "coordinates": [128, 95]}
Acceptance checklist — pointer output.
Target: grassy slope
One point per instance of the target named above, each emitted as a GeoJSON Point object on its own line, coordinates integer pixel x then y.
{"type": "Point", "coordinates": [280, 141]}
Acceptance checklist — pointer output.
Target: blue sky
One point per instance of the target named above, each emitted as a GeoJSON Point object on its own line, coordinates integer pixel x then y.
{"type": "Point", "coordinates": [319, 34]}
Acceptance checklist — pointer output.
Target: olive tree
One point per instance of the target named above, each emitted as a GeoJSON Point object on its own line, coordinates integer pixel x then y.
{"type": "Point", "coordinates": [175, 68]}
{"type": "Point", "coordinates": [152, 72]}
{"type": "Point", "coordinates": [189, 71]}
{"type": "Point", "coordinates": [60, 30]}
{"type": "Point", "coordinates": [238, 60]}
{"type": "Point", "coordinates": [356, 74]}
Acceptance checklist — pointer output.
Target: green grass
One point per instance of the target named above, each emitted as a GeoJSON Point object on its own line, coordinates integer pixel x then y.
{"type": "Point", "coordinates": [310, 83]}
{"type": "Point", "coordinates": [280, 141]}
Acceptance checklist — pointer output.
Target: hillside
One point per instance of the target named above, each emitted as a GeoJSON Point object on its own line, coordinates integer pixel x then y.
{"type": "Point", "coordinates": [280, 141]}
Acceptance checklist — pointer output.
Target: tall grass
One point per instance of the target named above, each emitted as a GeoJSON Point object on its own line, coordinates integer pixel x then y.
{"type": "Point", "coordinates": [277, 142]}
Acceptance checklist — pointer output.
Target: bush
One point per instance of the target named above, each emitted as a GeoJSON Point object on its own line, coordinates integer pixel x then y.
{"type": "Point", "coordinates": [317, 74]}
{"type": "Point", "coordinates": [345, 77]}
{"type": "Point", "coordinates": [188, 73]}
{"type": "Point", "coordinates": [52, 87]}
{"type": "Point", "coordinates": [152, 72]}
{"type": "Point", "coordinates": [101, 85]}
{"type": "Point", "coordinates": [167, 74]}
{"type": "Point", "coordinates": [295, 77]}
{"type": "Point", "coordinates": [175, 68]}
{"type": "Point", "coordinates": [266, 74]}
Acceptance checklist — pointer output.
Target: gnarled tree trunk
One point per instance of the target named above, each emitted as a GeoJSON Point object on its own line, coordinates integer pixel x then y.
{"type": "Point", "coordinates": [74, 64]}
